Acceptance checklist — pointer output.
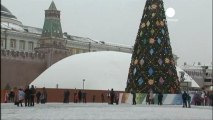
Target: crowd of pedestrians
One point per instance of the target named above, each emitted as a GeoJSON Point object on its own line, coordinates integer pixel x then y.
{"type": "Point", "coordinates": [26, 96]}
{"type": "Point", "coordinates": [113, 97]}
{"type": "Point", "coordinates": [29, 96]}
{"type": "Point", "coordinates": [80, 97]}
{"type": "Point", "coordinates": [186, 100]}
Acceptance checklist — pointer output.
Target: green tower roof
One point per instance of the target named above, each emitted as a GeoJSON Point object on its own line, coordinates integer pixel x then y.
{"type": "Point", "coordinates": [52, 25]}
{"type": "Point", "coordinates": [52, 6]}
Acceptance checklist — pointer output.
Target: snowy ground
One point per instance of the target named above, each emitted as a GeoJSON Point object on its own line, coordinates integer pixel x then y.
{"type": "Point", "coordinates": [95, 111]}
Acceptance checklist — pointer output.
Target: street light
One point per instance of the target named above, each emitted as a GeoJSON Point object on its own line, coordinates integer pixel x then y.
{"type": "Point", "coordinates": [83, 83]}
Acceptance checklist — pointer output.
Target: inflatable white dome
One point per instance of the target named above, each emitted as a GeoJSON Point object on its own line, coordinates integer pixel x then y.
{"type": "Point", "coordinates": [100, 70]}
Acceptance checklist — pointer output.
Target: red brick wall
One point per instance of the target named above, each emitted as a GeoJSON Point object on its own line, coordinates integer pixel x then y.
{"type": "Point", "coordinates": [18, 73]}
{"type": "Point", "coordinates": [57, 95]}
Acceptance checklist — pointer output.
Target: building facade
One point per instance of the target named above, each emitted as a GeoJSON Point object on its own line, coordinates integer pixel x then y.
{"type": "Point", "coordinates": [201, 74]}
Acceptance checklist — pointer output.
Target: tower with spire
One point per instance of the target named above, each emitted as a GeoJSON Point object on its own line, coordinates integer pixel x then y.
{"type": "Point", "coordinates": [152, 66]}
{"type": "Point", "coordinates": [52, 42]}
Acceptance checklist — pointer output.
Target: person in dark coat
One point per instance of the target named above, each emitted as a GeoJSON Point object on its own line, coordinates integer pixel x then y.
{"type": "Point", "coordinates": [11, 96]}
{"type": "Point", "coordinates": [43, 96]}
{"type": "Point", "coordinates": [147, 98]}
{"type": "Point", "coordinates": [133, 98]}
{"type": "Point", "coordinates": [112, 96]}
{"type": "Point", "coordinates": [116, 98]}
{"type": "Point", "coordinates": [160, 98]}
{"type": "Point", "coordinates": [102, 98]}
{"type": "Point", "coordinates": [80, 96]}
{"type": "Point", "coordinates": [65, 96]}
{"type": "Point", "coordinates": [84, 94]}
{"type": "Point", "coordinates": [68, 96]}
{"type": "Point", "coordinates": [38, 95]}
{"type": "Point", "coordinates": [184, 97]}
{"type": "Point", "coordinates": [32, 95]}
{"type": "Point", "coordinates": [27, 96]}
{"type": "Point", "coordinates": [189, 100]}
{"type": "Point", "coordinates": [75, 97]}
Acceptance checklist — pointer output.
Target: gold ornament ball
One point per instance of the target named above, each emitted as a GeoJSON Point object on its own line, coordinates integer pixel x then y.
{"type": "Point", "coordinates": [151, 82]}
{"type": "Point", "coordinates": [167, 60]}
{"type": "Point", "coordinates": [151, 40]}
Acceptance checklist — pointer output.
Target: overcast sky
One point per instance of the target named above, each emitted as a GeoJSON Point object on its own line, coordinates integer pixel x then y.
{"type": "Point", "coordinates": [117, 21]}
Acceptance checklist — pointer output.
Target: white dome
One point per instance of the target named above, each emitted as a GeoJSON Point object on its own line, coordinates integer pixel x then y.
{"type": "Point", "coordinates": [101, 71]}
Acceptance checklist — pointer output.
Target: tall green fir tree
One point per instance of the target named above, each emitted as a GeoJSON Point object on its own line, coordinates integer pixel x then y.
{"type": "Point", "coordinates": [152, 66]}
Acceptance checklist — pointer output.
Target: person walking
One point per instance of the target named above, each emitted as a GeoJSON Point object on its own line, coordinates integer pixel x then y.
{"type": "Point", "coordinates": [21, 96]}
{"type": "Point", "coordinates": [84, 94]}
{"type": "Point", "coordinates": [32, 95]}
{"type": "Point", "coordinates": [189, 100]}
{"type": "Point", "coordinates": [133, 98]}
{"type": "Point", "coordinates": [160, 98]}
{"type": "Point", "coordinates": [38, 95]}
{"type": "Point", "coordinates": [151, 96]}
{"type": "Point", "coordinates": [80, 96]}
{"type": "Point", "coordinates": [147, 98]}
{"type": "Point", "coordinates": [44, 96]}
{"type": "Point", "coordinates": [117, 98]}
{"type": "Point", "coordinates": [27, 96]}
{"type": "Point", "coordinates": [112, 96]}
{"type": "Point", "coordinates": [6, 96]}
{"type": "Point", "coordinates": [75, 97]}
{"type": "Point", "coordinates": [68, 96]}
{"type": "Point", "coordinates": [184, 97]}
{"type": "Point", "coordinates": [65, 92]}
{"type": "Point", "coordinates": [108, 96]}
{"type": "Point", "coordinates": [11, 96]}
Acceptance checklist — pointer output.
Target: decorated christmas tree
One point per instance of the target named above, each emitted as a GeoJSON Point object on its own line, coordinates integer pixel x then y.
{"type": "Point", "coordinates": [152, 65]}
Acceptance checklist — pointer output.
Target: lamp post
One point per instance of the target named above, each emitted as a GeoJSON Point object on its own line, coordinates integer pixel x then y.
{"type": "Point", "coordinates": [83, 83]}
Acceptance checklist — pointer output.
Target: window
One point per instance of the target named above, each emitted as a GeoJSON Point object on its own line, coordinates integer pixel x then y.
{"type": "Point", "coordinates": [2, 43]}
{"type": "Point", "coordinates": [207, 80]}
{"type": "Point", "coordinates": [13, 43]}
{"type": "Point", "coordinates": [74, 51]}
{"type": "Point", "coordinates": [30, 46]}
{"type": "Point", "coordinates": [21, 45]}
{"type": "Point", "coordinates": [80, 51]}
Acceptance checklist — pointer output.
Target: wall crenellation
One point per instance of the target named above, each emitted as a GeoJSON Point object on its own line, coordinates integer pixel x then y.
{"type": "Point", "coordinates": [23, 55]}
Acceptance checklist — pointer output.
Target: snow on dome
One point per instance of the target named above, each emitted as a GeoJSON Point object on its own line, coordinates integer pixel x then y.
{"type": "Point", "coordinates": [101, 70]}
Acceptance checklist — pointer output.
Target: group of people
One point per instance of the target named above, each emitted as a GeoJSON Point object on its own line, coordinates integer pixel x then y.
{"type": "Point", "coordinates": [203, 98]}
{"type": "Point", "coordinates": [27, 96]}
{"type": "Point", "coordinates": [186, 100]}
{"type": "Point", "coordinates": [80, 96]}
{"type": "Point", "coordinates": [150, 98]}
{"type": "Point", "coordinates": [113, 97]}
